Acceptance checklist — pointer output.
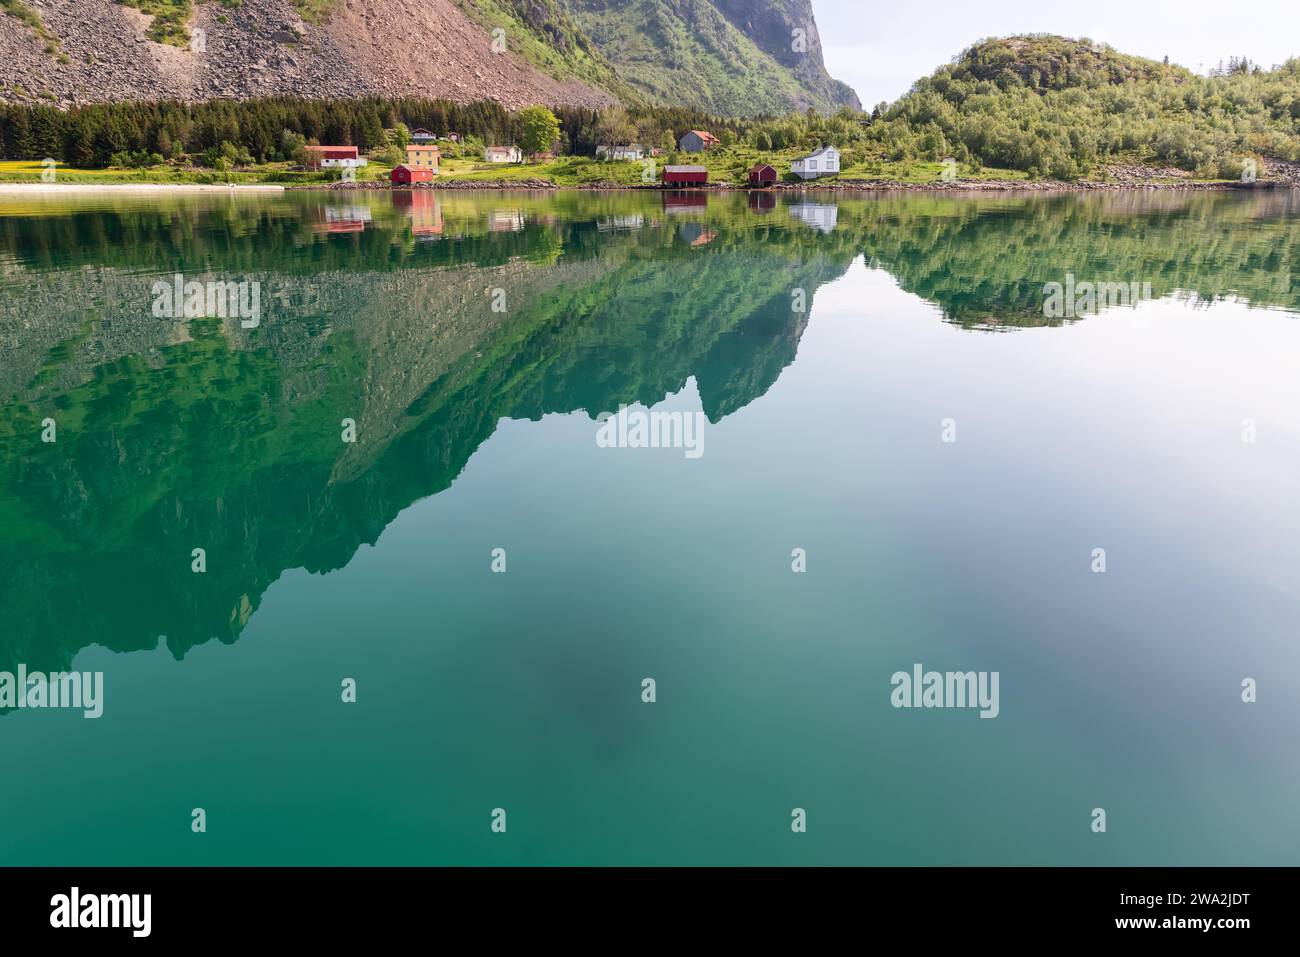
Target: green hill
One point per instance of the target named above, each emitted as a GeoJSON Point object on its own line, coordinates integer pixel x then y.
{"type": "Point", "coordinates": [1059, 107]}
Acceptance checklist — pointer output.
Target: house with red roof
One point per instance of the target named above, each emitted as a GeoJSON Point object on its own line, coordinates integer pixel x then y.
{"type": "Point", "coordinates": [332, 157]}
{"type": "Point", "coordinates": [685, 175]}
{"type": "Point", "coordinates": [697, 140]}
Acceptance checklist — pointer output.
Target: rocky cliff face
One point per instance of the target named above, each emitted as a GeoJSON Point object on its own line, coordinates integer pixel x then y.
{"type": "Point", "coordinates": [729, 56]}
{"type": "Point", "coordinates": [102, 51]}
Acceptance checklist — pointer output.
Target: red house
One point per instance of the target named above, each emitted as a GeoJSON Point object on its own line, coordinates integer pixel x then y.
{"type": "Point", "coordinates": [762, 174]}
{"type": "Point", "coordinates": [404, 175]}
{"type": "Point", "coordinates": [685, 175]}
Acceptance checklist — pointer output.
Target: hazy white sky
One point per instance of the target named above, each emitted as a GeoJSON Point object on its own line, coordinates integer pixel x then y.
{"type": "Point", "coordinates": [880, 48]}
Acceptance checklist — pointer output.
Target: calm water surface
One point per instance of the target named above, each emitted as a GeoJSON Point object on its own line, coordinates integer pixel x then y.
{"type": "Point", "coordinates": [476, 430]}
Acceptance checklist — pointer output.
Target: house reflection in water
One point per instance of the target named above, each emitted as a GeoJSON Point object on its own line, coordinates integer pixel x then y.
{"type": "Point", "coordinates": [820, 216]}
{"type": "Point", "coordinates": [506, 221]}
{"type": "Point", "coordinates": [422, 208]}
{"type": "Point", "coordinates": [680, 201]}
{"type": "Point", "coordinates": [609, 224]}
{"type": "Point", "coordinates": [345, 219]}
{"type": "Point", "coordinates": [762, 202]}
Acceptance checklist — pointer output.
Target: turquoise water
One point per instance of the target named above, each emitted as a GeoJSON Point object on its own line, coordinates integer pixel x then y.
{"type": "Point", "coordinates": [1166, 432]}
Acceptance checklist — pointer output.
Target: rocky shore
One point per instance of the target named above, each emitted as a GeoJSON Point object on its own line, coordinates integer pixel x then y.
{"type": "Point", "coordinates": [839, 186]}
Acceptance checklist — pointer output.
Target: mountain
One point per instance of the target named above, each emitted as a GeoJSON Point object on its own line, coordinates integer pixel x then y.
{"type": "Point", "coordinates": [729, 56]}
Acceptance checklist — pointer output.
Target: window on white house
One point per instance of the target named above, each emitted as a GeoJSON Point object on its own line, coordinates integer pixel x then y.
{"type": "Point", "coordinates": [812, 164]}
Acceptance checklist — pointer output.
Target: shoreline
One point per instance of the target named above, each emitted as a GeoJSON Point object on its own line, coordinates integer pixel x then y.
{"type": "Point", "coordinates": [540, 185]}
{"type": "Point", "coordinates": [56, 188]}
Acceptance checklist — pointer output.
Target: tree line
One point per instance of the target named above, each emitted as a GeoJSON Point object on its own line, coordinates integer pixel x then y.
{"type": "Point", "coordinates": [90, 136]}
{"type": "Point", "coordinates": [272, 129]}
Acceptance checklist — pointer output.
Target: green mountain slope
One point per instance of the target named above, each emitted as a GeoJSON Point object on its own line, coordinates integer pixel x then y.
{"type": "Point", "coordinates": [729, 57]}
{"type": "Point", "coordinates": [550, 39]}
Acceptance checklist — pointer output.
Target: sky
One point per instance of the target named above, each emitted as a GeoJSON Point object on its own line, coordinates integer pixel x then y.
{"type": "Point", "coordinates": [881, 48]}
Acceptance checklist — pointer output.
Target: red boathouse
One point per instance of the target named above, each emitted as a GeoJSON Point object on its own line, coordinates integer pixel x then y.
{"type": "Point", "coordinates": [685, 175]}
{"type": "Point", "coordinates": [762, 174]}
{"type": "Point", "coordinates": [404, 175]}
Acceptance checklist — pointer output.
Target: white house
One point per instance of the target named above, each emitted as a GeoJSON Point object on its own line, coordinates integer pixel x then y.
{"type": "Point", "coordinates": [332, 157]}
{"type": "Point", "coordinates": [632, 152]}
{"type": "Point", "coordinates": [822, 162]}
{"type": "Point", "coordinates": [503, 154]}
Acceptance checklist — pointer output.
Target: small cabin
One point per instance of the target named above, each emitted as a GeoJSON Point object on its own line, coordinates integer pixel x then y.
{"type": "Point", "coordinates": [762, 174]}
{"type": "Point", "coordinates": [696, 140]}
{"type": "Point", "coordinates": [404, 175]}
{"type": "Point", "coordinates": [685, 175]}
{"type": "Point", "coordinates": [422, 136]}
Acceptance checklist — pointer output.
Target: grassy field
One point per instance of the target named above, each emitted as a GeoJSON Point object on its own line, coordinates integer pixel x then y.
{"type": "Point", "coordinates": [563, 171]}
{"type": "Point", "coordinates": [30, 171]}
{"type": "Point", "coordinates": [728, 165]}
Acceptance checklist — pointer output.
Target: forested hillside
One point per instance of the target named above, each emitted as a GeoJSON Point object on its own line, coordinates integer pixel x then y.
{"type": "Point", "coordinates": [1057, 107]}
